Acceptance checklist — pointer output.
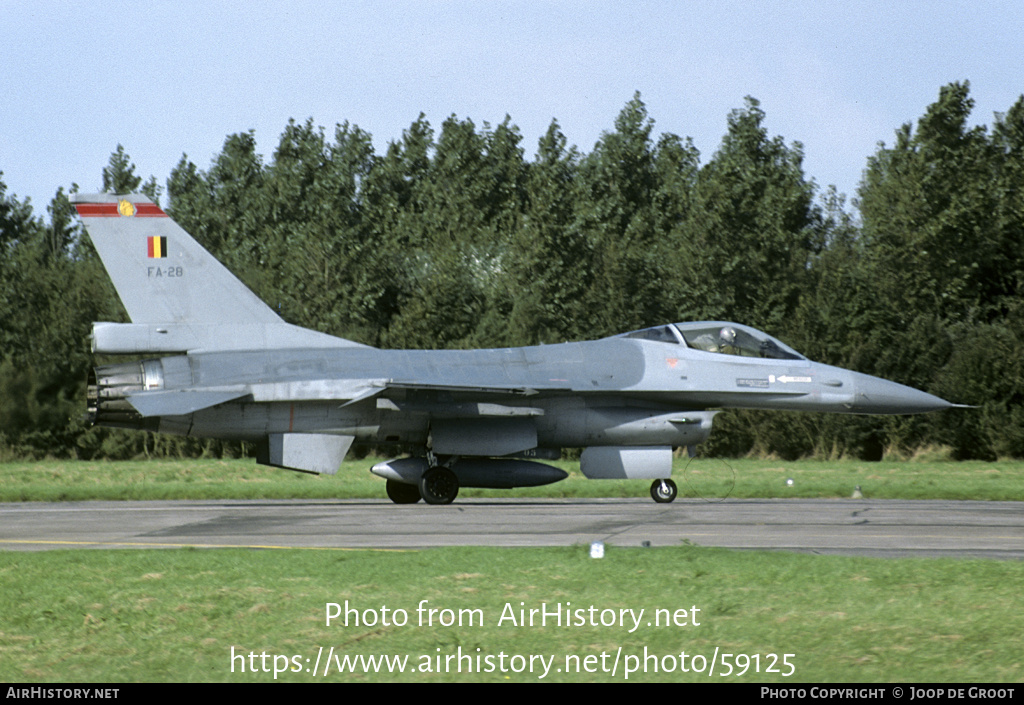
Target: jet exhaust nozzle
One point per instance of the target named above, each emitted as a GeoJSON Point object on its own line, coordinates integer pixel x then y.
{"type": "Point", "coordinates": [108, 389]}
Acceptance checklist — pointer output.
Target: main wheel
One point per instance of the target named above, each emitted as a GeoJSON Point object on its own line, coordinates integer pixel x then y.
{"type": "Point", "coordinates": [663, 491]}
{"type": "Point", "coordinates": [401, 493]}
{"type": "Point", "coordinates": [439, 485]}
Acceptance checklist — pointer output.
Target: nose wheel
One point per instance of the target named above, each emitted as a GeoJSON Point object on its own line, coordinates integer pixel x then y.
{"type": "Point", "coordinates": [663, 491]}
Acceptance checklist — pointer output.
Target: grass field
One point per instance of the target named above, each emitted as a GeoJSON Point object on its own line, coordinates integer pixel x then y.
{"type": "Point", "coordinates": [179, 615]}
{"type": "Point", "coordinates": [51, 481]}
{"type": "Point", "coordinates": [238, 615]}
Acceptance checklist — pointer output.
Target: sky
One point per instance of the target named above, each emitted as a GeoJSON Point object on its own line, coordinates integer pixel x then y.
{"type": "Point", "coordinates": [176, 78]}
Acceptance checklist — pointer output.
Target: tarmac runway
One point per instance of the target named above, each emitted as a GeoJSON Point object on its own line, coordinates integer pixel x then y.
{"type": "Point", "coordinates": [887, 528]}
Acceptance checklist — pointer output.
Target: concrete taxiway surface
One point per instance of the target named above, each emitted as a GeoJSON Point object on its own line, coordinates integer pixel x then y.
{"type": "Point", "coordinates": [861, 527]}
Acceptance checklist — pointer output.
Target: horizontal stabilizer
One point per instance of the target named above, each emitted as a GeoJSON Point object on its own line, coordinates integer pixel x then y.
{"type": "Point", "coordinates": [181, 402]}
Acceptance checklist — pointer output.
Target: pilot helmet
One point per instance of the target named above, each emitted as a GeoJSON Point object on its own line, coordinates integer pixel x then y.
{"type": "Point", "coordinates": [727, 336]}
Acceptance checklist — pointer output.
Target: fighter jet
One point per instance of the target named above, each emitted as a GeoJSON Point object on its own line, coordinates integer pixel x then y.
{"type": "Point", "coordinates": [220, 363]}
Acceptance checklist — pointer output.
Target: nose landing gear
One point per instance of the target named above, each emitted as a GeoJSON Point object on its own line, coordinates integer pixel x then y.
{"type": "Point", "coordinates": [663, 491]}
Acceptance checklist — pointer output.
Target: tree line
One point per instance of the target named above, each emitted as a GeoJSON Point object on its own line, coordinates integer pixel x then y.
{"type": "Point", "coordinates": [454, 238]}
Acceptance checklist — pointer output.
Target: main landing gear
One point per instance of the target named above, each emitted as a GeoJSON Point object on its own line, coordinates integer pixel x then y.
{"type": "Point", "coordinates": [439, 485]}
{"type": "Point", "coordinates": [411, 479]}
{"type": "Point", "coordinates": [663, 491]}
{"type": "Point", "coordinates": [401, 493]}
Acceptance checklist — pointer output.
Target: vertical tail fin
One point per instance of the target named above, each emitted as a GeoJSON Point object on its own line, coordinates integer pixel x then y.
{"type": "Point", "coordinates": [161, 274]}
{"type": "Point", "coordinates": [178, 296]}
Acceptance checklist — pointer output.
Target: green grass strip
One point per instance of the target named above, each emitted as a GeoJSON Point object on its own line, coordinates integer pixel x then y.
{"type": "Point", "coordinates": [51, 481]}
{"type": "Point", "coordinates": [179, 615]}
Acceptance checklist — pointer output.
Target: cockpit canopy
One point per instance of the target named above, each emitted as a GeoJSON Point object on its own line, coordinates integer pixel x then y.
{"type": "Point", "coordinates": [719, 337]}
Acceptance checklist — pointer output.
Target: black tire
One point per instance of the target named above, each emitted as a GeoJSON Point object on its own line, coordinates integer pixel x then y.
{"type": "Point", "coordinates": [663, 491]}
{"type": "Point", "coordinates": [439, 485]}
{"type": "Point", "coordinates": [401, 493]}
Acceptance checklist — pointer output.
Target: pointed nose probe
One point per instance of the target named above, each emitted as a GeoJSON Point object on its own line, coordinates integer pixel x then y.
{"type": "Point", "coordinates": [873, 395]}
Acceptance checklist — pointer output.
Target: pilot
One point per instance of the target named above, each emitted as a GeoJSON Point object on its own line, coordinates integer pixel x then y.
{"type": "Point", "coordinates": [724, 342]}
{"type": "Point", "coordinates": [727, 341]}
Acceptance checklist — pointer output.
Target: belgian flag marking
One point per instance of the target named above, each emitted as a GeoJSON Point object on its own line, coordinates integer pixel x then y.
{"type": "Point", "coordinates": [157, 247]}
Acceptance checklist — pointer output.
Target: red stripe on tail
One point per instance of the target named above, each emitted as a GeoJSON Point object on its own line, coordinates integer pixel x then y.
{"type": "Point", "coordinates": [110, 210]}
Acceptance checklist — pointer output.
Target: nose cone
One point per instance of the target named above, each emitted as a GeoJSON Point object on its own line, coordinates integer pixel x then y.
{"type": "Point", "coordinates": [874, 395]}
